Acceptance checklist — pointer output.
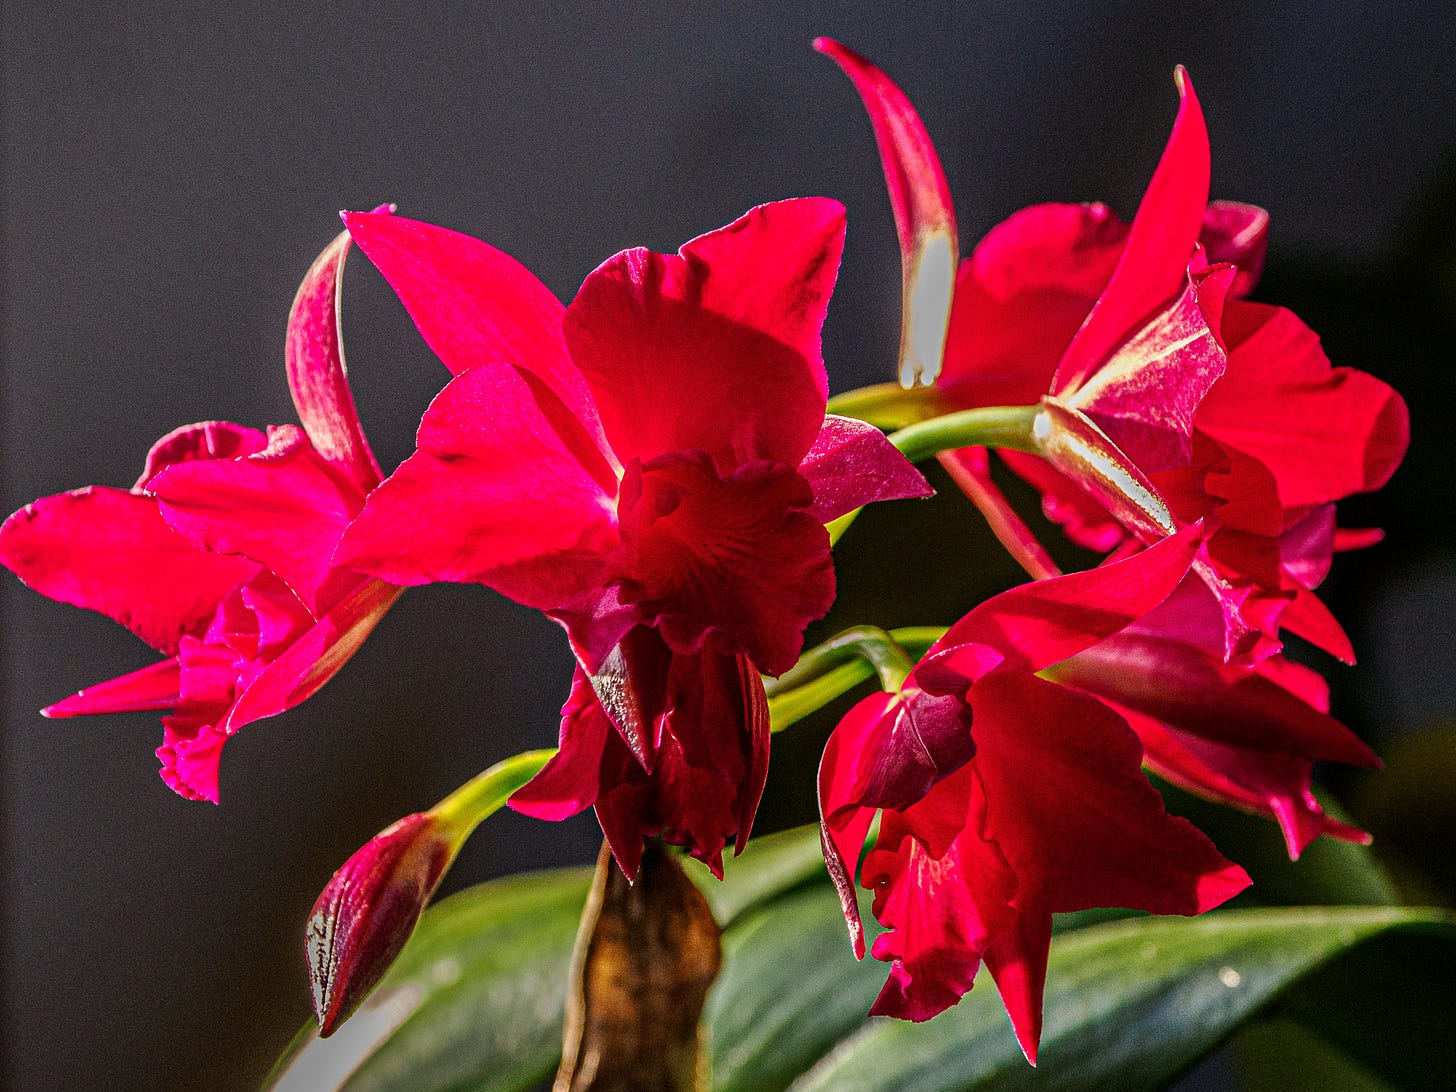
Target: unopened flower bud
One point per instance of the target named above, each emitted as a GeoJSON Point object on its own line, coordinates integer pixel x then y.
{"type": "Point", "coordinates": [369, 909]}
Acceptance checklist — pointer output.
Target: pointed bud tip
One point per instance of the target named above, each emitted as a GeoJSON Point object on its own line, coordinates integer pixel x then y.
{"type": "Point", "coordinates": [366, 913]}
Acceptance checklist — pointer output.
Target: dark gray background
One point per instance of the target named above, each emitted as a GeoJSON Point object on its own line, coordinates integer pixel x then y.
{"type": "Point", "coordinates": [171, 169]}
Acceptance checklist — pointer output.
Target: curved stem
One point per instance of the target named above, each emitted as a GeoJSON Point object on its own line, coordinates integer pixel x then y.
{"type": "Point", "coordinates": [486, 792]}
{"type": "Point", "coordinates": [988, 426]}
{"type": "Point", "coordinates": [888, 405]}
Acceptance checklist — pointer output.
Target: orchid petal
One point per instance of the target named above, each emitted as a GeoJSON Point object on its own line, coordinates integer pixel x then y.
{"type": "Point", "coordinates": [924, 214]}
{"type": "Point", "coordinates": [505, 489]}
{"type": "Point", "coordinates": [474, 304]}
{"type": "Point", "coordinates": [722, 339]}
{"type": "Point", "coordinates": [1146, 395]}
{"type": "Point", "coordinates": [852, 464]}
{"type": "Point", "coordinates": [1159, 246]}
{"type": "Point", "coordinates": [1038, 624]}
{"type": "Point", "coordinates": [689, 532]}
{"type": "Point", "coordinates": [317, 375]}
{"type": "Point", "coordinates": [284, 507]}
{"type": "Point", "coordinates": [1021, 297]}
{"type": "Point", "coordinates": [843, 823]}
{"type": "Point", "coordinates": [111, 551]}
{"type": "Point", "coordinates": [1324, 432]}
{"type": "Point", "coordinates": [156, 686]}
{"type": "Point", "coordinates": [1198, 694]}
{"type": "Point", "coordinates": [315, 656]}
{"type": "Point", "coordinates": [1237, 234]}
{"type": "Point", "coordinates": [202, 441]}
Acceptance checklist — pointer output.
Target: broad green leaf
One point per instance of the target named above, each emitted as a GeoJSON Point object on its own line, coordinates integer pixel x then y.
{"type": "Point", "coordinates": [769, 867]}
{"type": "Point", "coordinates": [1128, 1004]}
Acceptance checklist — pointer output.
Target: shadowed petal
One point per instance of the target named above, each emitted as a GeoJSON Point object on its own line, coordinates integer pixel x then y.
{"type": "Point", "coordinates": [206, 440]}
{"type": "Point", "coordinates": [1238, 234]}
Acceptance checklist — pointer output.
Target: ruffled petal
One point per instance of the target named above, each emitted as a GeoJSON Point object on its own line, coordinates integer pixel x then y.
{"type": "Point", "coordinates": [314, 656]}
{"type": "Point", "coordinates": [1154, 263]}
{"type": "Point", "coordinates": [505, 489]}
{"type": "Point", "coordinates": [738, 560]}
{"type": "Point", "coordinates": [474, 304]}
{"type": "Point", "coordinates": [852, 464]}
{"type": "Point", "coordinates": [715, 348]}
{"type": "Point", "coordinates": [284, 507]}
{"type": "Point", "coordinates": [317, 376]}
{"type": "Point", "coordinates": [111, 551]}
{"type": "Point", "coordinates": [1238, 234]}
{"type": "Point", "coordinates": [924, 215]}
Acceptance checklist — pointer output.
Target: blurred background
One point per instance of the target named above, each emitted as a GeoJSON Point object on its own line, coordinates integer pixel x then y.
{"type": "Point", "coordinates": [171, 169]}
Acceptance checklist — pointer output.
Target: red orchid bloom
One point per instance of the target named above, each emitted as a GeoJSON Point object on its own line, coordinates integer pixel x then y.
{"type": "Point", "coordinates": [219, 556]}
{"type": "Point", "coordinates": [1167, 397]}
{"type": "Point", "coordinates": [1005, 798]}
{"type": "Point", "coordinates": [652, 467]}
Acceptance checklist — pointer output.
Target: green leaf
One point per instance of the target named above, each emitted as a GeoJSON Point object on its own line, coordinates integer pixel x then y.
{"type": "Point", "coordinates": [1128, 1005]}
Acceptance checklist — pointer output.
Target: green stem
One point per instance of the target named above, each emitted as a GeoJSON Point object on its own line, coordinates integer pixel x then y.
{"type": "Point", "coordinates": [485, 793]}
{"type": "Point", "coordinates": [827, 671]}
{"type": "Point", "coordinates": [989, 426]}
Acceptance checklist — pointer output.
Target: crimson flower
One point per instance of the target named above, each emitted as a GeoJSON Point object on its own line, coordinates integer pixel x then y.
{"type": "Point", "coordinates": [650, 466]}
{"type": "Point", "coordinates": [1005, 798]}
{"type": "Point", "coordinates": [219, 557]}
{"type": "Point", "coordinates": [1167, 397]}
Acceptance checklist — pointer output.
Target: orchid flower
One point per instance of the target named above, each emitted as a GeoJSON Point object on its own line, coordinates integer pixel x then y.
{"type": "Point", "coordinates": [219, 557]}
{"type": "Point", "coordinates": [652, 467]}
{"type": "Point", "coordinates": [1005, 798]}
{"type": "Point", "coordinates": [1165, 396]}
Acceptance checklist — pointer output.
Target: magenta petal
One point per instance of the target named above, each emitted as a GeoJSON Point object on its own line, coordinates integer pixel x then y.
{"type": "Point", "coordinates": [852, 464]}
{"type": "Point", "coordinates": [1038, 624]}
{"type": "Point", "coordinates": [1324, 432]}
{"type": "Point", "coordinates": [843, 824]}
{"type": "Point", "coordinates": [206, 440]}
{"type": "Point", "coordinates": [1146, 395]}
{"type": "Point", "coordinates": [1159, 246]}
{"type": "Point", "coordinates": [284, 507]}
{"type": "Point", "coordinates": [1021, 297]}
{"type": "Point", "coordinates": [111, 551]}
{"type": "Point", "coordinates": [317, 375]}
{"type": "Point", "coordinates": [738, 560]}
{"type": "Point", "coordinates": [156, 686]}
{"type": "Point", "coordinates": [576, 775]}
{"type": "Point", "coordinates": [474, 304]}
{"type": "Point", "coordinates": [505, 489]}
{"type": "Point", "coordinates": [1237, 234]}
{"type": "Point", "coordinates": [715, 348]}
{"type": "Point", "coordinates": [315, 656]}
{"type": "Point", "coordinates": [924, 215]}
{"type": "Point", "coordinates": [1195, 692]}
